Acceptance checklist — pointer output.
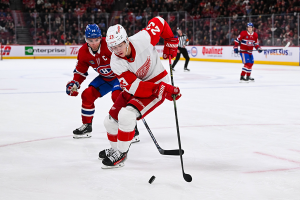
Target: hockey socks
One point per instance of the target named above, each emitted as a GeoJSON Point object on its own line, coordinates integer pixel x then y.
{"type": "Point", "coordinates": [247, 69]}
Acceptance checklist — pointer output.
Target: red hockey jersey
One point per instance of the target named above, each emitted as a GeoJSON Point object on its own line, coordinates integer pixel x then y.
{"type": "Point", "coordinates": [100, 62]}
{"type": "Point", "coordinates": [247, 41]}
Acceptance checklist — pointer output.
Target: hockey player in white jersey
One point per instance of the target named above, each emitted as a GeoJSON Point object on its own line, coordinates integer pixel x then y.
{"type": "Point", "coordinates": [143, 79]}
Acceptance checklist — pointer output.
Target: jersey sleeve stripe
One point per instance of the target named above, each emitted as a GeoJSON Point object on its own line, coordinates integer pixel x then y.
{"type": "Point", "coordinates": [134, 86]}
{"type": "Point", "coordinates": [161, 20]}
{"type": "Point", "coordinates": [82, 74]}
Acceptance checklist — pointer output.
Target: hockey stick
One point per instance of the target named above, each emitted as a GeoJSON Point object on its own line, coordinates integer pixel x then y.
{"type": "Point", "coordinates": [174, 152]}
{"type": "Point", "coordinates": [284, 48]}
{"type": "Point", "coordinates": [187, 177]}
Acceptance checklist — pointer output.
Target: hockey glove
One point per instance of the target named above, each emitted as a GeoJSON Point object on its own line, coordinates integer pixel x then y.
{"type": "Point", "coordinates": [259, 50]}
{"type": "Point", "coordinates": [71, 88]}
{"type": "Point", "coordinates": [166, 90]}
{"type": "Point", "coordinates": [236, 50]}
{"type": "Point", "coordinates": [170, 47]}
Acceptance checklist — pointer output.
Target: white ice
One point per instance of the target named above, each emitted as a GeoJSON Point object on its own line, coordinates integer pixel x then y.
{"type": "Point", "coordinates": [241, 141]}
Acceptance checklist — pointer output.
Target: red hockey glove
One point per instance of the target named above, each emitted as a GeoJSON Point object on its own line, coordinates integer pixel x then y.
{"type": "Point", "coordinates": [71, 88]}
{"type": "Point", "coordinates": [166, 90]}
{"type": "Point", "coordinates": [170, 47]}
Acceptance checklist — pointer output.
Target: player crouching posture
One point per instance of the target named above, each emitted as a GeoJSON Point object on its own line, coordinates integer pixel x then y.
{"type": "Point", "coordinates": [94, 53]}
{"type": "Point", "coordinates": [143, 78]}
{"type": "Point", "coordinates": [248, 39]}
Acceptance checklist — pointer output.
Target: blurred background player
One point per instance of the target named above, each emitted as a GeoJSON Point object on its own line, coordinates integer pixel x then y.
{"type": "Point", "coordinates": [183, 42]}
{"type": "Point", "coordinates": [247, 39]}
{"type": "Point", "coordinates": [143, 78]}
{"type": "Point", "coordinates": [93, 53]}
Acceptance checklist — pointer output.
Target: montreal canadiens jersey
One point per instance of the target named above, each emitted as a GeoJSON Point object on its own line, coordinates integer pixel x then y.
{"type": "Point", "coordinates": [247, 41]}
{"type": "Point", "coordinates": [100, 62]}
{"type": "Point", "coordinates": [139, 73]}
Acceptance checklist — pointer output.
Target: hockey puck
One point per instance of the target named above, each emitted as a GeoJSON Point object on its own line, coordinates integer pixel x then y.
{"type": "Point", "coordinates": [151, 179]}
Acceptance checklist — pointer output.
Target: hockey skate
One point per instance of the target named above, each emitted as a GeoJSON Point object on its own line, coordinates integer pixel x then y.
{"type": "Point", "coordinates": [84, 131]}
{"type": "Point", "coordinates": [186, 69]}
{"type": "Point", "coordinates": [115, 160]}
{"type": "Point", "coordinates": [106, 153]}
{"type": "Point", "coordinates": [250, 79]}
{"type": "Point", "coordinates": [244, 80]}
{"type": "Point", "coordinates": [136, 137]}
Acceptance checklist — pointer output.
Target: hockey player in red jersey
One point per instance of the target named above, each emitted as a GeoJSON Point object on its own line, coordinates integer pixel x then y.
{"type": "Point", "coordinates": [143, 78]}
{"type": "Point", "coordinates": [93, 53]}
{"type": "Point", "coordinates": [247, 39]}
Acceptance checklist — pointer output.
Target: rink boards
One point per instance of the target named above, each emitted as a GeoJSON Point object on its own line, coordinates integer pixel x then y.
{"type": "Point", "coordinates": [290, 56]}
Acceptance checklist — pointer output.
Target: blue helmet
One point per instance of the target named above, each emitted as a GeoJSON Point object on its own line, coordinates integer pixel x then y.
{"type": "Point", "coordinates": [250, 24]}
{"type": "Point", "coordinates": [92, 31]}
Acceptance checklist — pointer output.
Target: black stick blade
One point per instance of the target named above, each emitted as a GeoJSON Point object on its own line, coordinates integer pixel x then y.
{"type": "Point", "coordinates": [187, 177]}
{"type": "Point", "coordinates": [174, 152]}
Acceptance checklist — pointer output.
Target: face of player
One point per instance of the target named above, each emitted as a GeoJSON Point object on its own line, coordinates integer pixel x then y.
{"type": "Point", "coordinates": [94, 43]}
{"type": "Point", "coordinates": [120, 49]}
{"type": "Point", "coordinates": [250, 29]}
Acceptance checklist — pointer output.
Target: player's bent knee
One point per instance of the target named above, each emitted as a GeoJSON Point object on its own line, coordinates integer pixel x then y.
{"type": "Point", "coordinates": [127, 118]}
{"type": "Point", "coordinates": [111, 125]}
{"type": "Point", "coordinates": [89, 95]}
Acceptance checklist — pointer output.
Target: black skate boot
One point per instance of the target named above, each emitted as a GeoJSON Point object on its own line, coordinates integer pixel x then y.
{"type": "Point", "coordinates": [250, 79]}
{"type": "Point", "coordinates": [115, 160]}
{"type": "Point", "coordinates": [84, 131]}
{"type": "Point", "coordinates": [244, 80]}
{"type": "Point", "coordinates": [186, 69]}
{"type": "Point", "coordinates": [136, 137]}
{"type": "Point", "coordinates": [105, 153]}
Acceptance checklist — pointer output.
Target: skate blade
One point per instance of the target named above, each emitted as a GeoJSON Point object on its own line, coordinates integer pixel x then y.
{"type": "Point", "coordinates": [135, 139]}
{"type": "Point", "coordinates": [87, 135]}
{"type": "Point", "coordinates": [112, 167]}
{"type": "Point", "coordinates": [244, 81]}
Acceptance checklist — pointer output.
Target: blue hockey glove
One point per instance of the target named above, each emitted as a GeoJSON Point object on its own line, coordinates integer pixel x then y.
{"type": "Point", "coordinates": [71, 88]}
{"type": "Point", "coordinates": [236, 50]}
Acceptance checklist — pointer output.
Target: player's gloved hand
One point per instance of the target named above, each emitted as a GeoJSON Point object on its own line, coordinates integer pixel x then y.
{"type": "Point", "coordinates": [71, 88]}
{"type": "Point", "coordinates": [259, 50]}
{"type": "Point", "coordinates": [166, 90]}
{"type": "Point", "coordinates": [236, 50]}
{"type": "Point", "coordinates": [170, 47]}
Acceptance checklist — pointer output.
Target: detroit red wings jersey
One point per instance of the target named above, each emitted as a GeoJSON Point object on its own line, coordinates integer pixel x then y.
{"type": "Point", "coordinates": [139, 73]}
{"type": "Point", "coordinates": [100, 62]}
{"type": "Point", "coordinates": [247, 41]}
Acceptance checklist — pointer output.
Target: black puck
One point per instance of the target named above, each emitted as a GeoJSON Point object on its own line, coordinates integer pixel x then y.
{"type": "Point", "coordinates": [151, 179]}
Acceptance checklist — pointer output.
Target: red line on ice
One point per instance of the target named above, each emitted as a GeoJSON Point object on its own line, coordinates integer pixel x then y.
{"type": "Point", "coordinates": [271, 170]}
{"type": "Point", "coordinates": [294, 150]}
{"type": "Point", "coordinates": [157, 128]}
{"type": "Point", "coordinates": [4, 145]}
{"type": "Point", "coordinates": [277, 157]}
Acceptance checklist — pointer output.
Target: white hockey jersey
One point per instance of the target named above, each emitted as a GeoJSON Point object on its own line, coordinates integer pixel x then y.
{"type": "Point", "coordinates": [139, 73]}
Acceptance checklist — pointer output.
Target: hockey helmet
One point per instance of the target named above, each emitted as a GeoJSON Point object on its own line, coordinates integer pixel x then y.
{"type": "Point", "coordinates": [116, 34]}
{"type": "Point", "coordinates": [92, 31]}
{"type": "Point", "coordinates": [250, 24]}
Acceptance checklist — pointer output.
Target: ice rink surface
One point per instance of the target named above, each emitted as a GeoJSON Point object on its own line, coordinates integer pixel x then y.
{"type": "Point", "coordinates": [241, 141]}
